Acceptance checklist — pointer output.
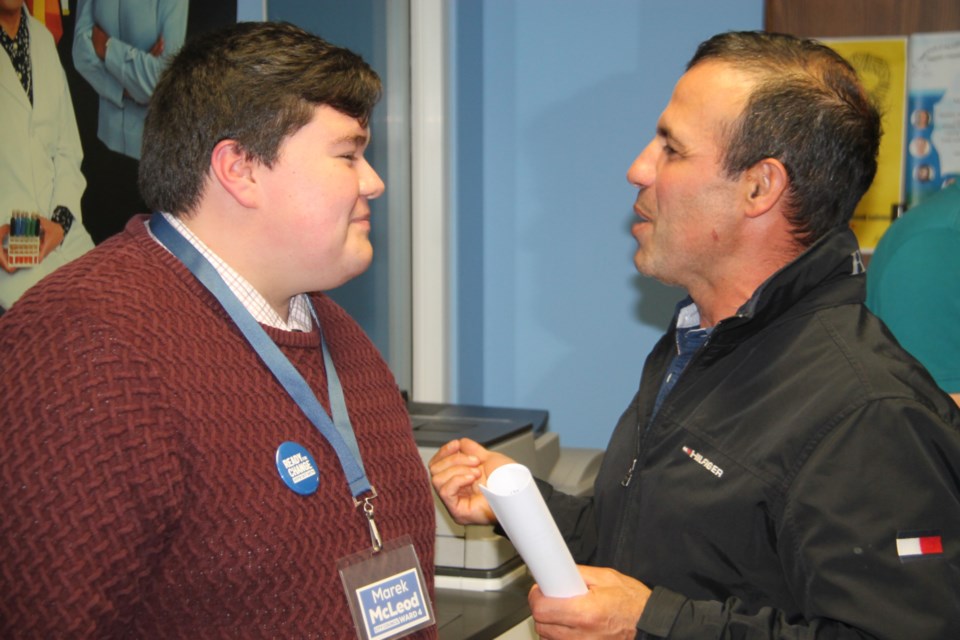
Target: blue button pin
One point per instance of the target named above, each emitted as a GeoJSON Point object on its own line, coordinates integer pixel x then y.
{"type": "Point", "coordinates": [297, 468]}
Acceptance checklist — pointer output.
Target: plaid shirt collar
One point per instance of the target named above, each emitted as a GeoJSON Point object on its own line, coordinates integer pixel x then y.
{"type": "Point", "coordinates": [299, 317]}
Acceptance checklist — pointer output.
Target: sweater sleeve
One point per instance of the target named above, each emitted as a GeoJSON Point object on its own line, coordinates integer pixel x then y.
{"type": "Point", "coordinates": [91, 482]}
{"type": "Point", "coordinates": [853, 555]}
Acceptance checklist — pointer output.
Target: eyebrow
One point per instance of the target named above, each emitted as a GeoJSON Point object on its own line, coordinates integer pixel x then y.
{"type": "Point", "coordinates": [358, 139]}
{"type": "Point", "coordinates": [665, 132]}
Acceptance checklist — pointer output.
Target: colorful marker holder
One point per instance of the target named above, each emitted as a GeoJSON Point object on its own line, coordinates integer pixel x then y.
{"type": "Point", "coordinates": [23, 241]}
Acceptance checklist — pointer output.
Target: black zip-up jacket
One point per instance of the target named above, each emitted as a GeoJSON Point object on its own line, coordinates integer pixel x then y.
{"type": "Point", "coordinates": [772, 486]}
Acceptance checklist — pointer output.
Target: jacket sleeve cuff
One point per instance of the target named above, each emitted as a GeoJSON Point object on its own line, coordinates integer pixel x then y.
{"type": "Point", "coordinates": [660, 613]}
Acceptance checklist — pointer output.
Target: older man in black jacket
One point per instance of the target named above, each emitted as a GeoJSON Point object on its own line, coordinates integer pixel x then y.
{"type": "Point", "coordinates": [785, 470]}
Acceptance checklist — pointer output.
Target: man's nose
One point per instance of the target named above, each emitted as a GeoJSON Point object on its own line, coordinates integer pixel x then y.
{"type": "Point", "coordinates": [643, 170]}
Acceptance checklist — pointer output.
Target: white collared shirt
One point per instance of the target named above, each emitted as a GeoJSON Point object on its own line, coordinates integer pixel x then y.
{"type": "Point", "coordinates": [298, 318]}
{"type": "Point", "coordinates": [688, 316]}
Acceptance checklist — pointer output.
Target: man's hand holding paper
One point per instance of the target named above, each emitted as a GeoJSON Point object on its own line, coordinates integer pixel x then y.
{"type": "Point", "coordinates": [595, 602]}
{"type": "Point", "coordinates": [610, 608]}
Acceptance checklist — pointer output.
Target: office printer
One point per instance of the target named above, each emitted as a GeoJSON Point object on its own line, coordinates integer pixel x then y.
{"type": "Point", "coordinates": [474, 558]}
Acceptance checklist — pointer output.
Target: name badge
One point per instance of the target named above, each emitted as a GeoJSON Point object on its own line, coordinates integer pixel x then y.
{"type": "Point", "coordinates": [297, 468]}
{"type": "Point", "coordinates": [386, 591]}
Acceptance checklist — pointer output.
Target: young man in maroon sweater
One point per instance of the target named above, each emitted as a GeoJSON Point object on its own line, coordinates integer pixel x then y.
{"type": "Point", "coordinates": [158, 477]}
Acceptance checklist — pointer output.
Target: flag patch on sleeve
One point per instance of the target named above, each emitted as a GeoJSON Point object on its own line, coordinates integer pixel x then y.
{"type": "Point", "coordinates": [916, 544]}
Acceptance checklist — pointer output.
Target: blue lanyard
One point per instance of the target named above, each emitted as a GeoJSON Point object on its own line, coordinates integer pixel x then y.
{"type": "Point", "coordinates": [338, 432]}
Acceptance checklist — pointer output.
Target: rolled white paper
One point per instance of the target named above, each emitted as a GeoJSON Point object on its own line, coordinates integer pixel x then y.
{"type": "Point", "coordinates": [518, 505]}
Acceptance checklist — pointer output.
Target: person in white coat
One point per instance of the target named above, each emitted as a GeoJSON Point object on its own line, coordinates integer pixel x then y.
{"type": "Point", "coordinates": [41, 154]}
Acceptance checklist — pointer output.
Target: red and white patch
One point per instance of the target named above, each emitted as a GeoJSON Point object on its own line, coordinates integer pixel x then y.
{"type": "Point", "coordinates": [919, 546]}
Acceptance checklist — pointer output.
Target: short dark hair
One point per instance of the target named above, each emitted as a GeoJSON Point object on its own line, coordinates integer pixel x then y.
{"type": "Point", "coordinates": [252, 82]}
{"type": "Point", "coordinates": [809, 111]}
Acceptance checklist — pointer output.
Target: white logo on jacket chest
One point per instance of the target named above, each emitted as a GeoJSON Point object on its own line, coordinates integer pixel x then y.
{"type": "Point", "coordinates": [704, 462]}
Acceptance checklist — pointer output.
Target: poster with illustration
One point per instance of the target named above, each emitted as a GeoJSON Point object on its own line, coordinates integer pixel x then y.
{"type": "Point", "coordinates": [933, 125]}
{"type": "Point", "coordinates": [117, 51]}
{"type": "Point", "coordinates": [75, 80]}
{"type": "Point", "coordinates": [881, 64]}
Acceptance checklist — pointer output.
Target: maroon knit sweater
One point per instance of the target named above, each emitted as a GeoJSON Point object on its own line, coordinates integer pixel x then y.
{"type": "Point", "coordinates": [139, 490]}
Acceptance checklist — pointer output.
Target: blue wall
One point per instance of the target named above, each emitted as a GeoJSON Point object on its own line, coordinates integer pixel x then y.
{"type": "Point", "coordinates": [248, 10]}
{"type": "Point", "coordinates": [553, 100]}
{"type": "Point", "coordinates": [360, 26]}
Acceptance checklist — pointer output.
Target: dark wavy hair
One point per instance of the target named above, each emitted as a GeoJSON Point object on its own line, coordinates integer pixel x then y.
{"type": "Point", "coordinates": [809, 111]}
{"type": "Point", "coordinates": [252, 82]}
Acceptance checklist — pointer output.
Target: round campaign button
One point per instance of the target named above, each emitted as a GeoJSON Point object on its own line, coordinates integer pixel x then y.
{"type": "Point", "coordinates": [297, 468]}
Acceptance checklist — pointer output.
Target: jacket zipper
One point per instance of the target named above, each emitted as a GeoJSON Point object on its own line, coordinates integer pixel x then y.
{"type": "Point", "coordinates": [641, 436]}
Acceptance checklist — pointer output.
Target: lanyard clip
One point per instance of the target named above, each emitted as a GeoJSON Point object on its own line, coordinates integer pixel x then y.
{"type": "Point", "coordinates": [375, 540]}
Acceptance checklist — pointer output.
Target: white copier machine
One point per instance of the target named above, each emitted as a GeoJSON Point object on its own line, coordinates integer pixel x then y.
{"type": "Point", "coordinates": [473, 557]}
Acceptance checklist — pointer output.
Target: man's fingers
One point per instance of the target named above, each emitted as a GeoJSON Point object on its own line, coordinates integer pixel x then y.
{"type": "Point", "coordinates": [453, 480]}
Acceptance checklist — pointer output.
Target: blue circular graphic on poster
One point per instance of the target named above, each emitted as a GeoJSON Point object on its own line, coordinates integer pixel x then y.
{"type": "Point", "coordinates": [297, 468]}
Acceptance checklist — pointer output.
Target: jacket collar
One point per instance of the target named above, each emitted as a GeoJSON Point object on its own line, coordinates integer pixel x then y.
{"type": "Point", "coordinates": [828, 273]}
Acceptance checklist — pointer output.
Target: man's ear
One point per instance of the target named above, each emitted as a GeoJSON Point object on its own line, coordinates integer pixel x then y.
{"type": "Point", "coordinates": [233, 168]}
{"type": "Point", "coordinates": [766, 183]}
